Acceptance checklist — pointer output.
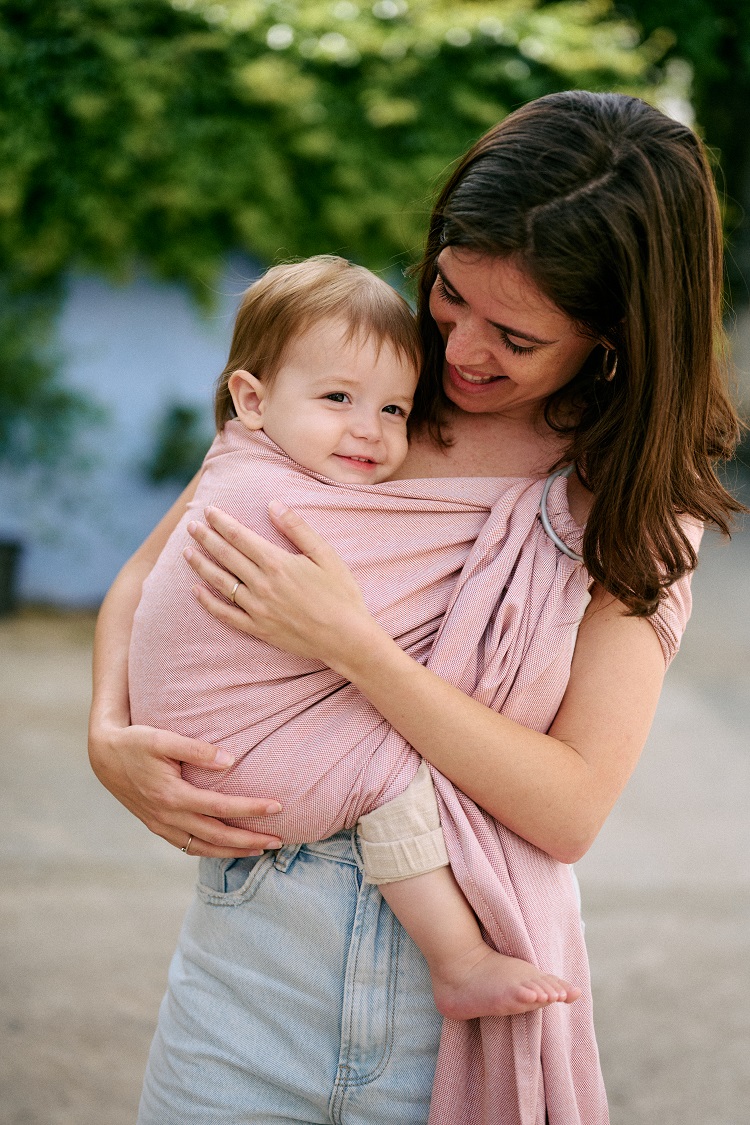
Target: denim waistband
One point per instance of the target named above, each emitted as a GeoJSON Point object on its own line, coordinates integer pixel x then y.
{"type": "Point", "coordinates": [341, 848]}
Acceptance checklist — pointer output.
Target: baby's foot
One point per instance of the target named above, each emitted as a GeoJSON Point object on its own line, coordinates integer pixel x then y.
{"type": "Point", "coordinates": [485, 983]}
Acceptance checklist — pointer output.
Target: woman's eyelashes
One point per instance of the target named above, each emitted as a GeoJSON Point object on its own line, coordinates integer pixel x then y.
{"type": "Point", "coordinates": [446, 294]}
{"type": "Point", "coordinates": [516, 349]}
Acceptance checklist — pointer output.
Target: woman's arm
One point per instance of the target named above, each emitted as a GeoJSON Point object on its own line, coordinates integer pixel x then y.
{"type": "Point", "coordinates": [554, 789]}
{"type": "Point", "coordinates": [140, 765]}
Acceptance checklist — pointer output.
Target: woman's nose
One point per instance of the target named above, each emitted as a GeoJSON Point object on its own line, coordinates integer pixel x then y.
{"type": "Point", "coordinates": [464, 345]}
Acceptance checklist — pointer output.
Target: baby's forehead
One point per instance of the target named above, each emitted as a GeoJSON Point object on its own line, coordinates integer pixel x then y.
{"type": "Point", "coordinates": [345, 332]}
{"type": "Point", "coordinates": [331, 360]}
{"type": "Point", "coordinates": [389, 350]}
{"type": "Point", "coordinates": [339, 341]}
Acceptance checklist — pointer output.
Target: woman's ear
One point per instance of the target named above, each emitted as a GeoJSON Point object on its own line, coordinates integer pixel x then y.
{"type": "Point", "coordinates": [247, 395]}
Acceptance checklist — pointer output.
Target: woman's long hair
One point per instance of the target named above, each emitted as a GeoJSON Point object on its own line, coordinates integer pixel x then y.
{"type": "Point", "coordinates": [610, 208]}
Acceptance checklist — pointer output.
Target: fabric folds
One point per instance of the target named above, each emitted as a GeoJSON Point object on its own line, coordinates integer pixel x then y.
{"type": "Point", "coordinates": [463, 576]}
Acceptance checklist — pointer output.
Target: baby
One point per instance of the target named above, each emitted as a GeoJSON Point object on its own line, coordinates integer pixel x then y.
{"type": "Point", "coordinates": [324, 361]}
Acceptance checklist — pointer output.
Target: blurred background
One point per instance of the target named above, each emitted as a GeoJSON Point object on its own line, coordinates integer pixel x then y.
{"type": "Point", "coordinates": [154, 157]}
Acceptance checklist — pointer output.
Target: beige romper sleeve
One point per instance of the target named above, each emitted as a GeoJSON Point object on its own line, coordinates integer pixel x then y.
{"type": "Point", "coordinates": [403, 838]}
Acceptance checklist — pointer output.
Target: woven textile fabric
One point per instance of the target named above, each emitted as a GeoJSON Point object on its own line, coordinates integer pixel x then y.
{"type": "Point", "coordinates": [463, 576]}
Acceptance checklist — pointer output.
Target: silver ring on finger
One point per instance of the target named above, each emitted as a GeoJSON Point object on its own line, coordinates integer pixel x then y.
{"type": "Point", "coordinates": [187, 845]}
{"type": "Point", "coordinates": [233, 594]}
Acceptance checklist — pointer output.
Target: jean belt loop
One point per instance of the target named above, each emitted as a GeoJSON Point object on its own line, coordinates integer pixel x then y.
{"type": "Point", "coordinates": [285, 856]}
{"type": "Point", "coordinates": [357, 851]}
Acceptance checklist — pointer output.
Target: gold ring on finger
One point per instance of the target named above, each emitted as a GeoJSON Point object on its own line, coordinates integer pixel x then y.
{"type": "Point", "coordinates": [233, 594]}
{"type": "Point", "coordinates": [187, 845]}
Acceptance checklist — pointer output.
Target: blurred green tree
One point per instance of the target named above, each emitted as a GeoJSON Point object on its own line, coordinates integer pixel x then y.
{"type": "Point", "coordinates": [160, 135]}
{"type": "Point", "coordinates": [38, 415]}
{"type": "Point", "coordinates": [713, 36]}
{"type": "Point", "coordinates": [181, 441]}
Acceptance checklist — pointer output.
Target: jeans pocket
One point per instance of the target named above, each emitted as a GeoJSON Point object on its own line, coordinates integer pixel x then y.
{"type": "Point", "coordinates": [227, 882]}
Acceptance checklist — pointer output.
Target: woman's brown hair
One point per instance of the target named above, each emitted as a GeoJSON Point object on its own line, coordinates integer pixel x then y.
{"type": "Point", "coordinates": [610, 207]}
{"type": "Point", "coordinates": [288, 299]}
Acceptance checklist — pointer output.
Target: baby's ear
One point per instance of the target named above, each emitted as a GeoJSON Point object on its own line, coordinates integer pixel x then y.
{"type": "Point", "coordinates": [247, 395]}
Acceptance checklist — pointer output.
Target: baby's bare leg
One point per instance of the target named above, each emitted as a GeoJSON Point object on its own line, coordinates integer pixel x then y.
{"type": "Point", "coordinates": [469, 979]}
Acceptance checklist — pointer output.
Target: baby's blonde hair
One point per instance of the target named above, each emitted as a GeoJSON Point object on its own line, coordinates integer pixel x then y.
{"type": "Point", "coordinates": [288, 299]}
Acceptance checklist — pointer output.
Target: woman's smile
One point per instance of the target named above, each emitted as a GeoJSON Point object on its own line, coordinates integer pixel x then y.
{"type": "Point", "coordinates": [471, 381]}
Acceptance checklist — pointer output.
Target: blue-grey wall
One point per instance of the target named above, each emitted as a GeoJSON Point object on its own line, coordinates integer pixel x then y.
{"type": "Point", "coordinates": [135, 350]}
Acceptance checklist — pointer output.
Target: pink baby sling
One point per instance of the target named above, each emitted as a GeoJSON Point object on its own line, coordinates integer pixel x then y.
{"type": "Point", "coordinates": [461, 572]}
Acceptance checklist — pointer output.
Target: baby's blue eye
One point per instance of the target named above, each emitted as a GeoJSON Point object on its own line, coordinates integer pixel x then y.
{"type": "Point", "coordinates": [337, 396]}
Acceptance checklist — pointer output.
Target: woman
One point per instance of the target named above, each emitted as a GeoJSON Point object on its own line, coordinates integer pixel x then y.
{"type": "Point", "coordinates": [570, 309]}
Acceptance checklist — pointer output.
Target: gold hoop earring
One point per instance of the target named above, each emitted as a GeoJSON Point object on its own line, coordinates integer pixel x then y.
{"type": "Point", "coordinates": [608, 372]}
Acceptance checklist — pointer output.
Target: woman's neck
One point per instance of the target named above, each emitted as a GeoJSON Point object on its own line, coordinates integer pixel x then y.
{"type": "Point", "coordinates": [485, 445]}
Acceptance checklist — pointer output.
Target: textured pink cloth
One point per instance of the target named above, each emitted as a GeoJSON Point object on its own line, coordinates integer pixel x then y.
{"type": "Point", "coordinates": [462, 574]}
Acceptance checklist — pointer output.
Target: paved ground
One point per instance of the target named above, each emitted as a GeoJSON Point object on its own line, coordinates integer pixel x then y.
{"type": "Point", "coordinates": [91, 904]}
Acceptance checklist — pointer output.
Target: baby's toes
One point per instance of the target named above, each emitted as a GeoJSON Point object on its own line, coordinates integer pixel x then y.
{"type": "Point", "coordinates": [530, 992]}
{"type": "Point", "coordinates": [536, 992]}
{"type": "Point", "coordinates": [555, 988]}
{"type": "Point", "coordinates": [572, 992]}
{"type": "Point", "coordinates": [565, 992]}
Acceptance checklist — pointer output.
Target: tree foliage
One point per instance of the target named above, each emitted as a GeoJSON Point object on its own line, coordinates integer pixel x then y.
{"type": "Point", "coordinates": [181, 443]}
{"type": "Point", "coordinates": [169, 133]}
{"type": "Point", "coordinates": [157, 134]}
{"type": "Point", "coordinates": [38, 414]}
{"type": "Point", "coordinates": [714, 37]}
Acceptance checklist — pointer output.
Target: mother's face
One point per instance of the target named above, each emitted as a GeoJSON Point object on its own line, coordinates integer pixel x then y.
{"type": "Point", "coordinates": [507, 347]}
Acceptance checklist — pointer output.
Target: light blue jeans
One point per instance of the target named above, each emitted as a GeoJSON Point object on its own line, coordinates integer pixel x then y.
{"type": "Point", "coordinates": [294, 996]}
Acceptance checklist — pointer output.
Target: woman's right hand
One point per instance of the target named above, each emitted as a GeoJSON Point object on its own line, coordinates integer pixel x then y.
{"type": "Point", "coordinates": [141, 767]}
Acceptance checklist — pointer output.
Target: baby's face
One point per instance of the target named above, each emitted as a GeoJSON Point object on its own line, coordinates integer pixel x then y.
{"type": "Point", "coordinates": [340, 408]}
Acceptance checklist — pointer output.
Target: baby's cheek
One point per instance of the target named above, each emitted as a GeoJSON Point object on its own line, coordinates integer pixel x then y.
{"type": "Point", "coordinates": [397, 450]}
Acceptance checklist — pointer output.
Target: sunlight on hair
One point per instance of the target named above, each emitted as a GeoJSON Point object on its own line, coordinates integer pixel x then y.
{"type": "Point", "coordinates": [674, 94]}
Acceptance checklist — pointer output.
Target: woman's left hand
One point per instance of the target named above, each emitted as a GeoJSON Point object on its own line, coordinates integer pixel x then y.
{"type": "Point", "coordinates": [306, 604]}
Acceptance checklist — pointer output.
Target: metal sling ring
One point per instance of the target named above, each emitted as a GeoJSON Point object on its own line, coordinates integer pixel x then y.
{"type": "Point", "coordinates": [566, 550]}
